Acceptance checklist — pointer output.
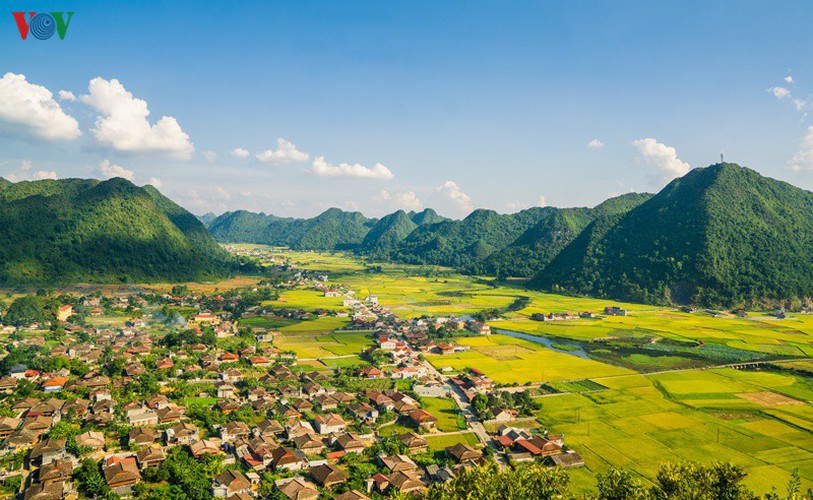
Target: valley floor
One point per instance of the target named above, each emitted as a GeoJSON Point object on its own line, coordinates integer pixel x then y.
{"type": "Point", "coordinates": [626, 391]}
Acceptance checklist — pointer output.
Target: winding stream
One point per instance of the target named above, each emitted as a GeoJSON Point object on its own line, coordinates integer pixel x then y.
{"type": "Point", "coordinates": [545, 341]}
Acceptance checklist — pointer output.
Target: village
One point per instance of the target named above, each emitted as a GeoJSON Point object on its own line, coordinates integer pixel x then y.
{"type": "Point", "coordinates": [181, 393]}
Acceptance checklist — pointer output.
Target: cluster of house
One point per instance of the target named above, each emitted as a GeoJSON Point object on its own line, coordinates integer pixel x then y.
{"type": "Point", "coordinates": [310, 423]}
{"type": "Point", "coordinates": [304, 422]}
{"type": "Point", "coordinates": [563, 316]}
{"type": "Point", "coordinates": [520, 445]}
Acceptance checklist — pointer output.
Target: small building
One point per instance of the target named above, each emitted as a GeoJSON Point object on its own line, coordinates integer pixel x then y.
{"type": "Point", "coordinates": [422, 419]}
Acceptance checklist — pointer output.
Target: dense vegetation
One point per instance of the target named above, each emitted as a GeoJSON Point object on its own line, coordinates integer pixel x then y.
{"type": "Point", "coordinates": [537, 246]}
{"type": "Point", "coordinates": [674, 481]}
{"type": "Point", "coordinates": [332, 229]}
{"type": "Point", "coordinates": [60, 231]}
{"type": "Point", "coordinates": [721, 235]}
{"type": "Point", "coordinates": [485, 242]}
{"type": "Point", "coordinates": [459, 243]}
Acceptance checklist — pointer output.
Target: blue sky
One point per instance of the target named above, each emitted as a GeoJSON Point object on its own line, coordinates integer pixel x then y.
{"type": "Point", "coordinates": [406, 104]}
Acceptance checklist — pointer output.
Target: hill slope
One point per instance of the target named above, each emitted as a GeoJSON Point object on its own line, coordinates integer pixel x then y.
{"type": "Point", "coordinates": [720, 235]}
{"type": "Point", "coordinates": [333, 229]}
{"type": "Point", "coordinates": [60, 231]}
{"type": "Point", "coordinates": [537, 246]}
{"type": "Point", "coordinates": [459, 243]}
{"type": "Point", "coordinates": [388, 232]}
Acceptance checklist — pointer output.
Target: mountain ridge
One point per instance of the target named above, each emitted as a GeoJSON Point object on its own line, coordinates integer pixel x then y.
{"type": "Point", "coordinates": [69, 230]}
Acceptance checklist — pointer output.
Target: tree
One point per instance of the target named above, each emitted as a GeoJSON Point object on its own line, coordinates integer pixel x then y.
{"type": "Point", "coordinates": [719, 481]}
{"type": "Point", "coordinates": [618, 484]}
{"type": "Point", "coordinates": [188, 474]}
{"type": "Point", "coordinates": [26, 310]}
{"type": "Point", "coordinates": [89, 480]}
{"type": "Point", "coordinates": [489, 482]}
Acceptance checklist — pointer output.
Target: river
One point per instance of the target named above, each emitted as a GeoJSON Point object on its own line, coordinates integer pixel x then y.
{"type": "Point", "coordinates": [576, 349]}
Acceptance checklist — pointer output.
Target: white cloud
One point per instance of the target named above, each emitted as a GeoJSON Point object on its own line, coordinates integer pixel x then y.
{"type": "Point", "coordinates": [789, 79]}
{"type": "Point", "coordinates": [803, 159]}
{"type": "Point", "coordinates": [663, 158]}
{"type": "Point", "coordinates": [42, 174]}
{"type": "Point", "coordinates": [595, 144]}
{"type": "Point", "coordinates": [240, 153]}
{"type": "Point", "coordinates": [784, 94]}
{"type": "Point", "coordinates": [65, 95]}
{"type": "Point", "coordinates": [155, 182]}
{"type": "Point", "coordinates": [212, 200]}
{"type": "Point", "coordinates": [24, 173]}
{"type": "Point", "coordinates": [110, 170]}
{"type": "Point", "coordinates": [210, 156]}
{"type": "Point", "coordinates": [516, 206]}
{"type": "Point", "coordinates": [220, 193]}
{"type": "Point", "coordinates": [325, 169]}
{"type": "Point", "coordinates": [286, 152]}
{"type": "Point", "coordinates": [452, 191]}
{"type": "Point", "coordinates": [31, 109]}
{"type": "Point", "coordinates": [123, 123]}
{"type": "Point", "coordinates": [406, 200]}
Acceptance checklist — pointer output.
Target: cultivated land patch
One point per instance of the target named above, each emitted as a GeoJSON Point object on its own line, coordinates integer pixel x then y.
{"type": "Point", "coordinates": [441, 442]}
{"type": "Point", "coordinates": [770, 399]}
{"type": "Point", "coordinates": [521, 361]}
{"type": "Point", "coordinates": [307, 345]}
{"type": "Point", "coordinates": [641, 421]}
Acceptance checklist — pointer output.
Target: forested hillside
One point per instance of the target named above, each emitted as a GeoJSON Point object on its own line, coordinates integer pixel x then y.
{"type": "Point", "coordinates": [59, 231]}
{"type": "Point", "coordinates": [721, 235]}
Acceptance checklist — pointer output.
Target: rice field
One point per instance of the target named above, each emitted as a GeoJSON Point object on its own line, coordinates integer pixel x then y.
{"type": "Point", "coordinates": [641, 421]}
{"type": "Point", "coordinates": [322, 345]}
{"type": "Point", "coordinates": [440, 442]}
{"type": "Point", "coordinates": [790, 337]}
{"type": "Point", "coordinates": [446, 411]}
{"type": "Point", "coordinates": [508, 360]}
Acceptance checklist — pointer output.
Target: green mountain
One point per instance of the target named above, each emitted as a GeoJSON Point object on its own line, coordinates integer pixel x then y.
{"type": "Point", "coordinates": [426, 217]}
{"type": "Point", "coordinates": [388, 232]}
{"type": "Point", "coordinates": [459, 243]}
{"type": "Point", "coordinates": [61, 231]}
{"type": "Point", "coordinates": [243, 226]}
{"type": "Point", "coordinates": [719, 236]}
{"type": "Point", "coordinates": [207, 218]}
{"type": "Point", "coordinates": [333, 229]}
{"type": "Point", "coordinates": [537, 246]}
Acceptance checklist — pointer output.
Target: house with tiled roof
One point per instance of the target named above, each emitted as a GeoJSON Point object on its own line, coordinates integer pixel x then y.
{"type": "Point", "coordinates": [231, 482]}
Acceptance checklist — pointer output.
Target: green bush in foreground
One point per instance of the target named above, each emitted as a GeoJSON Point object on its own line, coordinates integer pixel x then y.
{"type": "Point", "coordinates": [674, 481]}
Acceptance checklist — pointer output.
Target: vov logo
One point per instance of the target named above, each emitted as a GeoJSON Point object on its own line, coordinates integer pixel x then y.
{"type": "Point", "coordinates": [43, 25]}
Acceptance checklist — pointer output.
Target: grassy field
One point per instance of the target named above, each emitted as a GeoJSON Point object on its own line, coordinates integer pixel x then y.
{"type": "Point", "coordinates": [509, 360]}
{"type": "Point", "coordinates": [318, 325]}
{"type": "Point", "coordinates": [441, 442]}
{"type": "Point", "coordinates": [271, 323]}
{"type": "Point", "coordinates": [447, 413]}
{"type": "Point", "coordinates": [308, 300]}
{"type": "Point", "coordinates": [641, 421]}
{"type": "Point", "coordinates": [790, 337]}
{"type": "Point", "coordinates": [322, 345]}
